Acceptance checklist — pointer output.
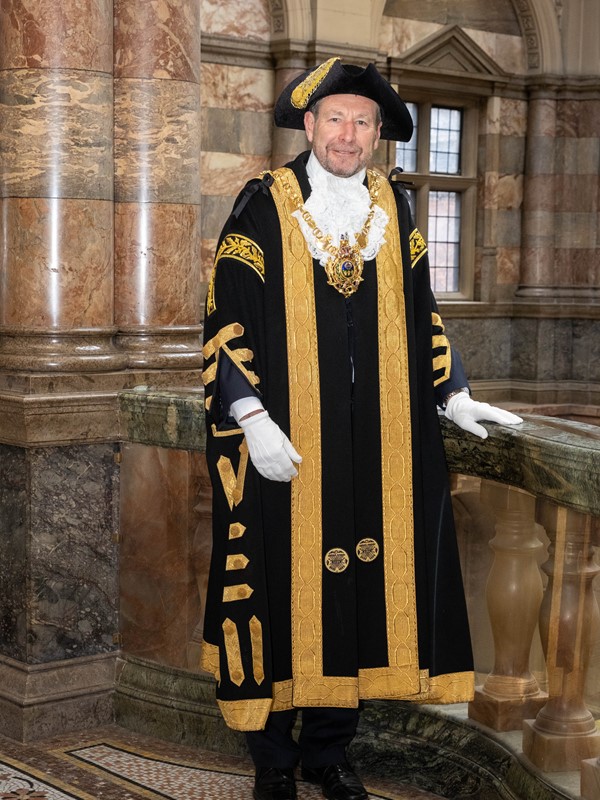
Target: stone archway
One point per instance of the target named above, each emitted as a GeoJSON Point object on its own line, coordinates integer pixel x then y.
{"type": "Point", "coordinates": [539, 23]}
{"type": "Point", "coordinates": [291, 19]}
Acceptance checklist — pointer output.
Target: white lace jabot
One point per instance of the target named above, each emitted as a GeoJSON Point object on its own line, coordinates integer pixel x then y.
{"type": "Point", "coordinates": [340, 206]}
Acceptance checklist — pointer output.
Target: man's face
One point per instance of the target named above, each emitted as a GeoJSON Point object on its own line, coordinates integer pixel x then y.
{"type": "Point", "coordinates": [344, 133]}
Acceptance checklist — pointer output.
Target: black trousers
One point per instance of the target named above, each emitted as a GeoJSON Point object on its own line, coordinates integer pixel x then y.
{"type": "Point", "coordinates": [324, 736]}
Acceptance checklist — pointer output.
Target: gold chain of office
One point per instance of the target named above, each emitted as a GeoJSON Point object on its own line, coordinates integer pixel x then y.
{"type": "Point", "coordinates": [344, 269]}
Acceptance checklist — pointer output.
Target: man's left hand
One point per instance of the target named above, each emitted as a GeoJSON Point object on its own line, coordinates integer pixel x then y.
{"type": "Point", "coordinates": [466, 412]}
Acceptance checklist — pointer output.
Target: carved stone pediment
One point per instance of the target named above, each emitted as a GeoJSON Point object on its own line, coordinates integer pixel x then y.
{"type": "Point", "coordinates": [453, 51]}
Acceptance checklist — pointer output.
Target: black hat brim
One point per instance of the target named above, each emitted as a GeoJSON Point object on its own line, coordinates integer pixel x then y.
{"type": "Point", "coordinates": [333, 77]}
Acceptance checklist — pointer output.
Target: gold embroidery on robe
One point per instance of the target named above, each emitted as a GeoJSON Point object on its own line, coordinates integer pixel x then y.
{"type": "Point", "coordinates": [242, 249]}
{"type": "Point", "coordinates": [238, 356]}
{"type": "Point", "coordinates": [233, 652]}
{"type": "Point", "coordinates": [233, 484]}
{"type": "Point", "coordinates": [306, 515]}
{"type": "Point", "coordinates": [209, 659]}
{"type": "Point", "coordinates": [236, 561]}
{"type": "Point", "coordinates": [241, 591]}
{"type": "Point", "coordinates": [236, 530]}
{"type": "Point", "coordinates": [396, 460]}
{"type": "Point", "coordinates": [418, 246]}
{"type": "Point", "coordinates": [245, 715]}
{"type": "Point", "coordinates": [443, 361]}
{"type": "Point", "coordinates": [232, 432]}
{"type": "Point", "coordinates": [256, 642]}
{"type": "Point", "coordinates": [224, 336]}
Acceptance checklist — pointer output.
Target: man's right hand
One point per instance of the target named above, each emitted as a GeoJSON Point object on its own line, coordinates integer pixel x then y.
{"type": "Point", "coordinates": [269, 448]}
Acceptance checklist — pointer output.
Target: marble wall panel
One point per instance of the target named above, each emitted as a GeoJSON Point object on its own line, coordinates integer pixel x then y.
{"type": "Point", "coordinates": [508, 227]}
{"type": "Point", "coordinates": [489, 123]}
{"type": "Point", "coordinates": [541, 191]}
{"type": "Point", "coordinates": [579, 156]}
{"type": "Point", "coordinates": [230, 131]}
{"type": "Point", "coordinates": [243, 88]}
{"type": "Point", "coordinates": [215, 211]}
{"type": "Point", "coordinates": [158, 39]}
{"type": "Point", "coordinates": [577, 193]}
{"type": "Point", "coordinates": [513, 117]}
{"type": "Point", "coordinates": [579, 119]}
{"type": "Point", "coordinates": [56, 137]}
{"type": "Point", "coordinates": [509, 191]}
{"type": "Point", "coordinates": [560, 333]}
{"type": "Point", "coordinates": [487, 190]}
{"type": "Point", "coordinates": [538, 263]}
{"type": "Point", "coordinates": [226, 173]}
{"type": "Point", "coordinates": [585, 350]}
{"type": "Point", "coordinates": [242, 19]}
{"type": "Point", "coordinates": [512, 155]}
{"type": "Point", "coordinates": [484, 345]}
{"type": "Point", "coordinates": [509, 52]}
{"type": "Point", "coordinates": [13, 552]}
{"type": "Point", "coordinates": [73, 595]}
{"type": "Point", "coordinates": [578, 266]}
{"type": "Point", "coordinates": [524, 349]}
{"type": "Point", "coordinates": [58, 268]}
{"type": "Point", "coordinates": [72, 34]}
{"type": "Point", "coordinates": [385, 39]}
{"type": "Point", "coordinates": [540, 157]}
{"type": "Point", "coordinates": [508, 265]}
{"type": "Point", "coordinates": [399, 34]}
{"type": "Point", "coordinates": [575, 229]}
{"type": "Point", "coordinates": [165, 522]}
{"type": "Point", "coordinates": [220, 130]}
{"type": "Point", "coordinates": [157, 141]}
{"type": "Point", "coordinates": [209, 248]}
{"type": "Point", "coordinates": [157, 263]}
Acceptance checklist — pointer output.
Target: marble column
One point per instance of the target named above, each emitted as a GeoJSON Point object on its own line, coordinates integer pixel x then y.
{"type": "Point", "coordinates": [56, 189]}
{"type": "Point", "coordinates": [58, 366]}
{"type": "Point", "coordinates": [157, 186]}
{"type": "Point", "coordinates": [539, 221]}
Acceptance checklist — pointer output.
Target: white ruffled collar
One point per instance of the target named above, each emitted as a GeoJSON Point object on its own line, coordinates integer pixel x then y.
{"type": "Point", "coordinates": [339, 207]}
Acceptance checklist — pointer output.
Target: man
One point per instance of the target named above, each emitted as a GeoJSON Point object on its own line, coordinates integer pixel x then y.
{"type": "Point", "coordinates": [335, 574]}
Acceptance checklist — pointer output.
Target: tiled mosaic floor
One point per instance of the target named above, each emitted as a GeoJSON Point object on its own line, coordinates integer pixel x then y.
{"type": "Point", "coordinates": [114, 764]}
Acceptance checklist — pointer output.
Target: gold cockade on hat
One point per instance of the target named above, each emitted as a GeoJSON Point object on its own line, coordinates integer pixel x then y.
{"type": "Point", "coordinates": [305, 90]}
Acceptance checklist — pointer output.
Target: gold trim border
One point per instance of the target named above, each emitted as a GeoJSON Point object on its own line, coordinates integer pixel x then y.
{"type": "Point", "coordinates": [396, 454]}
{"type": "Point", "coordinates": [305, 433]}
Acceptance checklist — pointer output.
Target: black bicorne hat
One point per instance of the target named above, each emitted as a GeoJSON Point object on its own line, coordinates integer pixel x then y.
{"type": "Point", "coordinates": [333, 77]}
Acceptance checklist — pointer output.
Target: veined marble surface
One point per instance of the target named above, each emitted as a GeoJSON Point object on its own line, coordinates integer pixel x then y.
{"type": "Point", "coordinates": [58, 554]}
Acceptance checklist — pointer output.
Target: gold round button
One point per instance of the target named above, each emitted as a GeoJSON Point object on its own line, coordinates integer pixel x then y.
{"type": "Point", "coordinates": [367, 549]}
{"type": "Point", "coordinates": [336, 559]}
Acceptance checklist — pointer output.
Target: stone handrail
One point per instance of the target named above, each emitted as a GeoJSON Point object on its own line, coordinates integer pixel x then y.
{"type": "Point", "coordinates": [550, 458]}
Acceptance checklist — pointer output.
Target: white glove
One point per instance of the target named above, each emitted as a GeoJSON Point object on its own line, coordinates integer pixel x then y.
{"type": "Point", "coordinates": [269, 448]}
{"type": "Point", "coordinates": [465, 412]}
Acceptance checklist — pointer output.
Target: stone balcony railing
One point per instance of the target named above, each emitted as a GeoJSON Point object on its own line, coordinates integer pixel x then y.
{"type": "Point", "coordinates": [527, 503]}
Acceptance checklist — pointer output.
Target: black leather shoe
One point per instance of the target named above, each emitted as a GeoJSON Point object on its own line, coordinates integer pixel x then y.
{"type": "Point", "coordinates": [337, 782]}
{"type": "Point", "coordinates": [274, 784]}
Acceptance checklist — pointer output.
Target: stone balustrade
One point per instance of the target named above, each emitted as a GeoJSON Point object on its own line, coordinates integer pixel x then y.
{"type": "Point", "coordinates": [533, 492]}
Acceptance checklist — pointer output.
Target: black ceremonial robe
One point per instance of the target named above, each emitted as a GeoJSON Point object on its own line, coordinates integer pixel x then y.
{"type": "Point", "coordinates": [344, 584]}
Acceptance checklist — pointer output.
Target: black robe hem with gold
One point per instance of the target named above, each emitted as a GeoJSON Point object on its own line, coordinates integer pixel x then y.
{"type": "Point", "coordinates": [345, 583]}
